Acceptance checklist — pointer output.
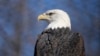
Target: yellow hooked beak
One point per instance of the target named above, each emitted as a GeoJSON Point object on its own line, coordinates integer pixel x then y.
{"type": "Point", "coordinates": [42, 17]}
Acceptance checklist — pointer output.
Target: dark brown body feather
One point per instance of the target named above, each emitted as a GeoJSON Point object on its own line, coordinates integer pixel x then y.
{"type": "Point", "coordinates": [59, 42]}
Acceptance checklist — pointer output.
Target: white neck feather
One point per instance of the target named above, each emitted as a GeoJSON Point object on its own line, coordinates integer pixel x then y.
{"type": "Point", "coordinates": [59, 23]}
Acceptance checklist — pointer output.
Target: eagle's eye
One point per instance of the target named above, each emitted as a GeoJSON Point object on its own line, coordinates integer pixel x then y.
{"type": "Point", "coordinates": [50, 13]}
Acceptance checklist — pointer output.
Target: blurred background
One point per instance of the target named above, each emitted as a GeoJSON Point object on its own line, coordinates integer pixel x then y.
{"type": "Point", "coordinates": [19, 27]}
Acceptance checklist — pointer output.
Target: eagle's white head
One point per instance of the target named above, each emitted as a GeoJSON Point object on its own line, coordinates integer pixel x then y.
{"type": "Point", "coordinates": [57, 19]}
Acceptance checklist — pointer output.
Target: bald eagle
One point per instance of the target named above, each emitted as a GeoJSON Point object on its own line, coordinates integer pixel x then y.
{"type": "Point", "coordinates": [58, 39]}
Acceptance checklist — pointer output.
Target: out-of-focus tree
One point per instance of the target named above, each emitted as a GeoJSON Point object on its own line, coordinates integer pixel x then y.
{"type": "Point", "coordinates": [15, 26]}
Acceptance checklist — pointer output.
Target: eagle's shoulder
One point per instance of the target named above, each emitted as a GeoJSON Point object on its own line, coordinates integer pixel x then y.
{"type": "Point", "coordinates": [66, 41]}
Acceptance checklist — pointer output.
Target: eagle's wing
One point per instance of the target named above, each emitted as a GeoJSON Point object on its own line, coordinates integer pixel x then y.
{"type": "Point", "coordinates": [59, 43]}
